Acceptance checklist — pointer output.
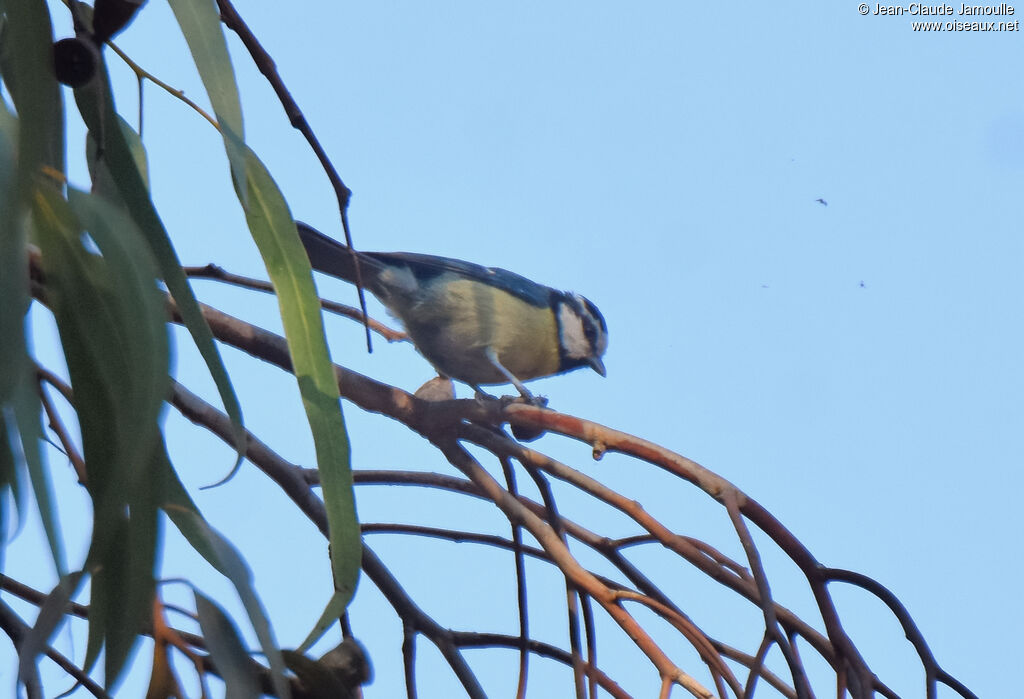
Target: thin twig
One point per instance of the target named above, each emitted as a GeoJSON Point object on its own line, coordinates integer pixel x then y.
{"type": "Point", "coordinates": [574, 597]}
{"type": "Point", "coordinates": [57, 424]}
{"type": "Point", "coordinates": [933, 672]}
{"type": "Point", "coordinates": [17, 629]}
{"type": "Point", "coordinates": [212, 271]}
{"type": "Point", "coordinates": [521, 598]}
{"type": "Point", "coordinates": [771, 622]}
{"type": "Point", "coordinates": [141, 73]}
{"type": "Point", "coordinates": [233, 21]}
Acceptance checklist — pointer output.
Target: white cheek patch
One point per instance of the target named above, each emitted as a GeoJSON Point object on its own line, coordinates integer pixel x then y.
{"type": "Point", "coordinates": [600, 336]}
{"type": "Point", "coordinates": [573, 337]}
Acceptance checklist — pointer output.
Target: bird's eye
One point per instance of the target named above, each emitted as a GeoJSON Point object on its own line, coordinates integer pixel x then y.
{"type": "Point", "coordinates": [595, 314]}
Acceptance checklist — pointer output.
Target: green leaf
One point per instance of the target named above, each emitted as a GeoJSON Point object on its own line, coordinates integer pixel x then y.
{"type": "Point", "coordinates": [26, 61]}
{"type": "Point", "coordinates": [229, 654]}
{"type": "Point", "coordinates": [124, 548]}
{"type": "Point", "coordinates": [14, 297]}
{"type": "Point", "coordinates": [332, 612]}
{"type": "Point", "coordinates": [8, 471]}
{"type": "Point", "coordinates": [10, 478]}
{"type": "Point", "coordinates": [102, 183]}
{"type": "Point", "coordinates": [123, 557]}
{"type": "Point", "coordinates": [274, 231]}
{"type": "Point", "coordinates": [145, 344]}
{"type": "Point", "coordinates": [27, 416]}
{"type": "Point", "coordinates": [96, 106]}
{"type": "Point", "coordinates": [200, 23]}
{"type": "Point", "coordinates": [222, 555]}
{"type": "Point", "coordinates": [24, 149]}
{"type": "Point", "coordinates": [13, 305]}
{"type": "Point", "coordinates": [113, 329]}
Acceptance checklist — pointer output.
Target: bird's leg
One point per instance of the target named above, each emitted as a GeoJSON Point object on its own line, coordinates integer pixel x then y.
{"type": "Point", "coordinates": [492, 356]}
{"type": "Point", "coordinates": [524, 434]}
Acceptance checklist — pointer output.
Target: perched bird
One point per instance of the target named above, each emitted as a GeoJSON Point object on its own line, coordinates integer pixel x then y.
{"type": "Point", "coordinates": [478, 325]}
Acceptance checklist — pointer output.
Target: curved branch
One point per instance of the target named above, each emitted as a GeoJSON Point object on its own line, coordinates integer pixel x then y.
{"type": "Point", "coordinates": [933, 672]}
{"type": "Point", "coordinates": [549, 540]}
{"type": "Point", "coordinates": [16, 629]}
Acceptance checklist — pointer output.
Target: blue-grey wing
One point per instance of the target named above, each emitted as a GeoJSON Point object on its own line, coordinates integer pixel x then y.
{"type": "Point", "coordinates": [427, 267]}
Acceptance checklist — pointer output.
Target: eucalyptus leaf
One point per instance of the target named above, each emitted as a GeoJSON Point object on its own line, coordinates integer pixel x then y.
{"type": "Point", "coordinates": [102, 181]}
{"type": "Point", "coordinates": [222, 555]}
{"type": "Point", "coordinates": [233, 662]}
{"type": "Point", "coordinates": [96, 107]}
{"type": "Point", "coordinates": [200, 23]}
{"type": "Point", "coordinates": [113, 330]}
{"type": "Point", "coordinates": [273, 229]}
{"type": "Point", "coordinates": [14, 365]}
{"type": "Point", "coordinates": [14, 298]}
{"type": "Point", "coordinates": [26, 61]}
{"type": "Point", "coordinates": [332, 612]}
{"type": "Point", "coordinates": [28, 144]}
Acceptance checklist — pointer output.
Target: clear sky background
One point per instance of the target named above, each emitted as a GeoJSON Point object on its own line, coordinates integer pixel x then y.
{"type": "Point", "coordinates": [854, 367]}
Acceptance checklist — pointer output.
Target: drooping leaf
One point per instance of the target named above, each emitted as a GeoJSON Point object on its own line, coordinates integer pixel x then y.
{"type": "Point", "coordinates": [96, 107]}
{"type": "Point", "coordinates": [102, 181]}
{"type": "Point", "coordinates": [13, 260]}
{"type": "Point", "coordinates": [12, 490]}
{"type": "Point", "coordinates": [14, 366]}
{"type": "Point", "coordinates": [332, 612]}
{"type": "Point", "coordinates": [200, 23]}
{"type": "Point", "coordinates": [113, 330]}
{"type": "Point", "coordinates": [275, 234]}
{"type": "Point", "coordinates": [228, 652]}
{"type": "Point", "coordinates": [27, 416]}
{"type": "Point", "coordinates": [27, 65]}
{"type": "Point", "coordinates": [222, 555]}
{"type": "Point", "coordinates": [28, 144]}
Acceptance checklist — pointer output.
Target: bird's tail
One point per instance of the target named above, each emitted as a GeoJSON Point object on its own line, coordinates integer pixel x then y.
{"type": "Point", "coordinates": [337, 259]}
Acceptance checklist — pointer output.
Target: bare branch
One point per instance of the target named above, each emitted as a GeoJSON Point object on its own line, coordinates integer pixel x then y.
{"type": "Point", "coordinates": [16, 630]}
{"type": "Point", "coordinates": [212, 271]}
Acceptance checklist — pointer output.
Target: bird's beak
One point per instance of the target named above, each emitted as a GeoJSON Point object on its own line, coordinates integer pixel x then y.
{"type": "Point", "coordinates": [597, 365]}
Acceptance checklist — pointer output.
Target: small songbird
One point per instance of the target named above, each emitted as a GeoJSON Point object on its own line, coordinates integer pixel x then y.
{"type": "Point", "coordinates": [478, 325]}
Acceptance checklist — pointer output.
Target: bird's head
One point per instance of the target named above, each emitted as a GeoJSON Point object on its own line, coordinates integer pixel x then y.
{"type": "Point", "coordinates": [582, 333]}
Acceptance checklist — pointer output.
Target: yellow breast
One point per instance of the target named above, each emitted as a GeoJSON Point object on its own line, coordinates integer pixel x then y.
{"type": "Point", "coordinates": [455, 325]}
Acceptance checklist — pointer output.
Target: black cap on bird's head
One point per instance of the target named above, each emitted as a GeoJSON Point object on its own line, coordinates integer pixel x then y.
{"type": "Point", "coordinates": [582, 333]}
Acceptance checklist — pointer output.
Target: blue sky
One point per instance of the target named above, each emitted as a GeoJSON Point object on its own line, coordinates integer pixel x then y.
{"type": "Point", "coordinates": [854, 367]}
